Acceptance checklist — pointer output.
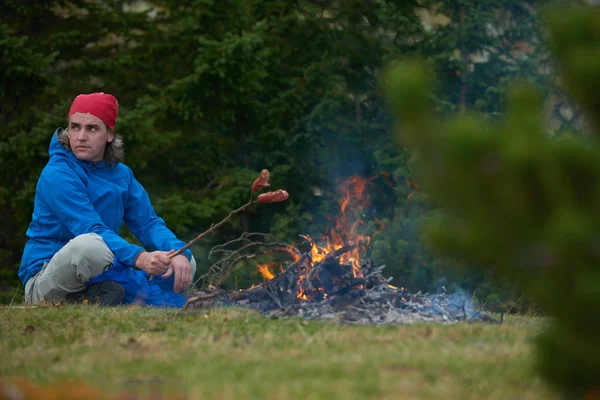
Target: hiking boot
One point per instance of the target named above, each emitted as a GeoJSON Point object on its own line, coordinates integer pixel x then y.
{"type": "Point", "coordinates": [105, 293]}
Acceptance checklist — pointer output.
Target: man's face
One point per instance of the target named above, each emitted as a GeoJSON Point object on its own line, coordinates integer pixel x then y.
{"type": "Point", "coordinates": [88, 137]}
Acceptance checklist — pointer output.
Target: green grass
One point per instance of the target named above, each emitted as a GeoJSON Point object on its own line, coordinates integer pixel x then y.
{"type": "Point", "coordinates": [230, 353]}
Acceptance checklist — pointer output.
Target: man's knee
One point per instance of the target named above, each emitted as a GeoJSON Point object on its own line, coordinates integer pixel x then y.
{"type": "Point", "coordinates": [83, 258]}
{"type": "Point", "coordinates": [90, 252]}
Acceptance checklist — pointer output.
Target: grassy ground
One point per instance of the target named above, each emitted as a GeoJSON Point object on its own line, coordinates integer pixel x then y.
{"type": "Point", "coordinates": [227, 354]}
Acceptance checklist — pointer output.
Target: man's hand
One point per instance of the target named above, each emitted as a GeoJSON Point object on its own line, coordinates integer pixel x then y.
{"type": "Point", "coordinates": [182, 269]}
{"type": "Point", "coordinates": [155, 263]}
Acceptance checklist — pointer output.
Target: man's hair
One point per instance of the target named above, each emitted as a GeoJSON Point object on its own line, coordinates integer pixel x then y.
{"type": "Point", "coordinates": [113, 153]}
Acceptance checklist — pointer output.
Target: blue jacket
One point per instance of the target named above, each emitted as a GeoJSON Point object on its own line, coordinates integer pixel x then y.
{"type": "Point", "coordinates": [74, 197]}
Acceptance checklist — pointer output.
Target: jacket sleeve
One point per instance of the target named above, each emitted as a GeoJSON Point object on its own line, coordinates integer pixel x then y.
{"type": "Point", "coordinates": [67, 197]}
{"type": "Point", "coordinates": [148, 227]}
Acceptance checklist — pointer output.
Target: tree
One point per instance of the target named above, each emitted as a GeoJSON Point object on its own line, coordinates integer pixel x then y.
{"type": "Point", "coordinates": [211, 92]}
{"type": "Point", "coordinates": [520, 202]}
{"type": "Point", "coordinates": [51, 51]}
{"type": "Point", "coordinates": [288, 86]}
{"type": "Point", "coordinates": [23, 81]}
{"type": "Point", "coordinates": [475, 48]}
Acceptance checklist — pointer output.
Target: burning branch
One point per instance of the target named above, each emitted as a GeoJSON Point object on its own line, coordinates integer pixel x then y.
{"type": "Point", "coordinates": [220, 271]}
{"type": "Point", "coordinates": [225, 272]}
{"type": "Point", "coordinates": [265, 290]}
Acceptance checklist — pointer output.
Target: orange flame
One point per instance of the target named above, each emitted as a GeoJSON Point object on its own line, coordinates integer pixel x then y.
{"type": "Point", "coordinates": [348, 224]}
{"type": "Point", "coordinates": [265, 270]}
{"type": "Point", "coordinates": [347, 231]}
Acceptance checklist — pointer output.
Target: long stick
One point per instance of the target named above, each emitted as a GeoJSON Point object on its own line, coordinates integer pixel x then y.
{"type": "Point", "coordinates": [209, 230]}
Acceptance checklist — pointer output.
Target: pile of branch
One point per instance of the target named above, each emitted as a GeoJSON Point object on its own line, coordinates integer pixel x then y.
{"type": "Point", "coordinates": [300, 281]}
{"type": "Point", "coordinates": [332, 290]}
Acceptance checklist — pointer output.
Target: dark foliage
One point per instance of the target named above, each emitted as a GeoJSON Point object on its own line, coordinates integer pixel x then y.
{"type": "Point", "coordinates": [213, 91]}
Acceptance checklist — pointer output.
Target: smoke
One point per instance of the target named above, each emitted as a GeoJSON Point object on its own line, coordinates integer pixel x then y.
{"type": "Point", "coordinates": [459, 300]}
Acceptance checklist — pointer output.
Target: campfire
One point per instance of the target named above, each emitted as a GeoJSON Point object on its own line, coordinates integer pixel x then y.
{"type": "Point", "coordinates": [330, 279]}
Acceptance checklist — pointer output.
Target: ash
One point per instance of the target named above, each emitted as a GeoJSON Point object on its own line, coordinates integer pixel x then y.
{"type": "Point", "coordinates": [338, 292]}
{"type": "Point", "coordinates": [382, 305]}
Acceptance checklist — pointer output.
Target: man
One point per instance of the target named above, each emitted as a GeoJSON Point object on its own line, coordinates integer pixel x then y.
{"type": "Point", "coordinates": [83, 196]}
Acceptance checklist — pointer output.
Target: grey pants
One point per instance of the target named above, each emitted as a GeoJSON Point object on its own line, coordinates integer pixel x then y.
{"type": "Point", "coordinates": [83, 258]}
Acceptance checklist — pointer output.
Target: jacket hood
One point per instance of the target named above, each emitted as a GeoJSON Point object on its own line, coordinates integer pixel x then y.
{"type": "Point", "coordinates": [56, 148]}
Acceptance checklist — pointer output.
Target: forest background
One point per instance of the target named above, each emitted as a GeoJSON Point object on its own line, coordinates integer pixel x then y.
{"type": "Point", "coordinates": [213, 91]}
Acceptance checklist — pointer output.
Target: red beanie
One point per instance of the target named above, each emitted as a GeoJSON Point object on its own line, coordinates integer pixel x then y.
{"type": "Point", "coordinates": [100, 105]}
